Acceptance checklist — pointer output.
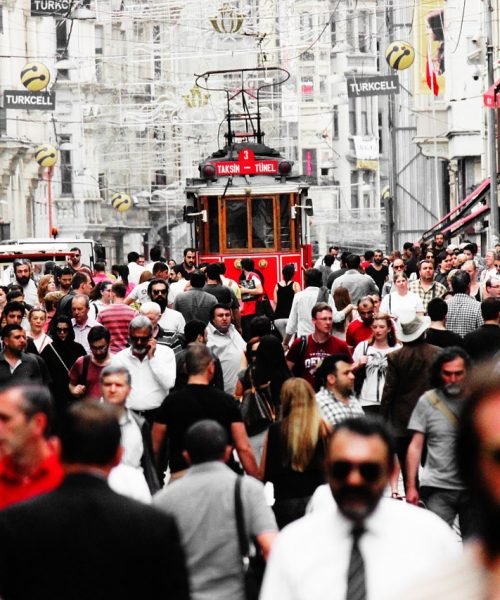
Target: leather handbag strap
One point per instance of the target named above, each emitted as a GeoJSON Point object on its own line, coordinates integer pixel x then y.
{"type": "Point", "coordinates": [436, 402]}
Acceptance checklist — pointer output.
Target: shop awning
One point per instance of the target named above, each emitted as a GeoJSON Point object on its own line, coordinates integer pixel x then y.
{"type": "Point", "coordinates": [457, 226]}
{"type": "Point", "coordinates": [491, 97]}
{"type": "Point", "coordinates": [458, 213]}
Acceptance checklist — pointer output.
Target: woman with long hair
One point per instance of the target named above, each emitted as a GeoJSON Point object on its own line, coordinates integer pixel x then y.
{"type": "Point", "coordinates": [4, 290]}
{"type": "Point", "coordinates": [284, 292]}
{"type": "Point", "coordinates": [370, 362]}
{"type": "Point", "coordinates": [401, 300]}
{"type": "Point", "coordinates": [59, 358]}
{"type": "Point", "coordinates": [266, 372]}
{"type": "Point", "coordinates": [37, 318]}
{"type": "Point", "coordinates": [294, 449]}
{"type": "Point", "coordinates": [46, 284]}
{"type": "Point", "coordinates": [342, 300]}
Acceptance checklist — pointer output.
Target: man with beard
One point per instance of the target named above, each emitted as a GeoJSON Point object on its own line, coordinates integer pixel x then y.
{"type": "Point", "coordinates": [17, 366]}
{"type": "Point", "coordinates": [75, 264]}
{"type": "Point", "coordinates": [65, 279]}
{"type": "Point", "coordinates": [475, 575]}
{"type": "Point", "coordinates": [360, 329]}
{"type": "Point", "coordinates": [22, 276]}
{"type": "Point", "coordinates": [425, 286]}
{"type": "Point", "coordinates": [434, 422]}
{"type": "Point", "coordinates": [360, 546]}
{"type": "Point", "coordinates": [188, 264]}
{"type": "Point", "coordinates": [377, 270]}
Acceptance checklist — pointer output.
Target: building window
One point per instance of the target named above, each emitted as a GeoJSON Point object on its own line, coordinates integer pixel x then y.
{"type": "Point", "coordinates": [352, 116]}
{"type": "Point", "coordinates": [364, 40]}
{"type": "Point", "coordinates": [307, 89]}
{"type": "Point", "coordinates": [66, 167]}
{"type": "Point", "coordinates": [101, 178]}
{"type": "Point", "coordinates": [333, 32]}
{"type": "Point", "coordinates": [4, 231]}
{"type": "Point", "coordinates": [3, 120]}
{"type": "Point", "coordinates": [61, 39]}
{"type": "Point", "coordinates": [1, 19]}
{"type": "Point", "coordinates": [354, 190]}
{"type": "Point", "coordinates": [335, 123]}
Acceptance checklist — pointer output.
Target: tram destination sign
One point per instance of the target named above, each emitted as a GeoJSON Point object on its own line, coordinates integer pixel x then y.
{"type": "Point", "coordinates": [246, 165]}
{"type": "Point", "coordinates": [50, 8]}
{"type": "Point", "coordinates": [29, 100]}
{"type": "Point", "coordinates": [383, 85]}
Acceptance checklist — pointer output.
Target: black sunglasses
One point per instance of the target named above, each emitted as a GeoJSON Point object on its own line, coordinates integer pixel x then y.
{"type": "Point", "coordinates": [62, 329]}
{"type": "Point", "coordinates": [341, 469]}
{"type": "Point", "coordinates": [163, 292]}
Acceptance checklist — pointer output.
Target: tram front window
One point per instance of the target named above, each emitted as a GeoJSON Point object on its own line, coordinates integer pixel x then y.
{"type": "Point", "coordinates": [262, 223]}
{"type": "Point", "coordinates": [236, 224]}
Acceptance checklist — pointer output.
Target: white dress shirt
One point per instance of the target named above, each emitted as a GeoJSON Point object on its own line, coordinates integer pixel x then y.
{"type": "Point", "coordinates": [151, 379]}
{"type": "Point", "coordinates": [229, 348]}
{"type": "Point", "coordinates": [310, 558]}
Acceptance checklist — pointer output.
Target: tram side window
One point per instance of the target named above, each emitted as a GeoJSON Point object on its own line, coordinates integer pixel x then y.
{"type": "Point", "coordinates": [262, 223]}
{"type": "Point", "coordinates": [213, 225]}
{"type": "Point", "coordinates": [285, 233]}
{"type": "Point", "coordinates": [236, 224]}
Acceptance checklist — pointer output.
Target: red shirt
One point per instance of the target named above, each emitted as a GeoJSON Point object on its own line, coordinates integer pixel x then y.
{"type": "Point", "coordinates": [307, 363]}
{"type": "Point", "coordinates": [116, 318]}
{"type": "Point", "coordinates": [15, 487]}
{"type": "Point", "coordinates": [357, 332]}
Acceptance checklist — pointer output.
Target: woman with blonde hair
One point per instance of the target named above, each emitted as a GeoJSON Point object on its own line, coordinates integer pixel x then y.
{"type": "Point", "coordinates": [46, 284]}
{"type": "Point", "coordinates": [294, 449]}
{"type": "Point", "coordinates": [37, 318]}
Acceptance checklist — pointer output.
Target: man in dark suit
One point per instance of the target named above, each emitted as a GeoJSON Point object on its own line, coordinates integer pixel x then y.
{"type": "Point", "coordinates": [83, 540]}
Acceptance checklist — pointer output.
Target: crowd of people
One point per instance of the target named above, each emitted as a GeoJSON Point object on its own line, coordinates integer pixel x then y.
{"type": "Point", "coordinates": [160, 422]}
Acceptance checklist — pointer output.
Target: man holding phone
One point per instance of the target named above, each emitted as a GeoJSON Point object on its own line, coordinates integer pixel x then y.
{"type": "Point", "coordinates": [152, 368]}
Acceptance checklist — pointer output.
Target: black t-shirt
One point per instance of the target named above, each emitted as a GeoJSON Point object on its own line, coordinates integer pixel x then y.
{"type": "Point", "coordinates": [190, 405]}
{"type": "Point", "coordinates": [379, 277]}
{"type": "Point", "coordinates": [443, 338]}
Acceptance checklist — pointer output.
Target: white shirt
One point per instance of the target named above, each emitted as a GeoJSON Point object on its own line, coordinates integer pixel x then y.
{"type": "Point", "coordinates": [82, 331]}
{"type": "Point", "coordinates": [128, 481]}
{"type": "Point", "coordinates": [228, 348]}
{"type": "Point", "coordinates": [175, 289]}
{"type": "Point", "coordinates": [151, 379]}
{"type": "Point", "coordinates": [310, 558]}
{"type": "Point", "coordinates": [172, 320]}
{"type": "Point", "coordinates": [395, 304]}
{"type": "Point", "coordinates": [140, 293]}
{"type": "Point", "coordinates": [300, 321]}
{"type": "Point", "coordinates": [134, 272]}
{"type": "Point", "coordinates": [133, 447]}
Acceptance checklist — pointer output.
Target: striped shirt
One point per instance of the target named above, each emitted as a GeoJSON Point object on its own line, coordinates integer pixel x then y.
{"type": "Point", "coordinates": [116, 318]}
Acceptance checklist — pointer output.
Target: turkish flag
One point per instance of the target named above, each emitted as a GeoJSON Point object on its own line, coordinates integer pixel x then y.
{"type": "Point", "coordinates": [430, 74]}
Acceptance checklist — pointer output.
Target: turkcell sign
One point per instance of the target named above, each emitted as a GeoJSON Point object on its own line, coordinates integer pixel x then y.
{"type": "Point", "coordinates": [381, 85]}
{"type": "Point", "coordinates": [50, 8]}
{"type": "Point", "coordinates": [259, 167]}
{"type": "Point", "coordinates": [29, 100]}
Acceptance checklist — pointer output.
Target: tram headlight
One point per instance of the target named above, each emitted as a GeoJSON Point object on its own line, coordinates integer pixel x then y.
{"type": "Point", "coordinates": [208, 171]}
{"type": "Point", "coordinates": [285, 168]}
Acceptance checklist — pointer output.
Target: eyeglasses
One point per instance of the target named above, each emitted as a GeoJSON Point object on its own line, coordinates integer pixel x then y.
{"type": "Point", "coordinates": [341, 469]}
{"type": "Point", "coordinates": [62, 329]}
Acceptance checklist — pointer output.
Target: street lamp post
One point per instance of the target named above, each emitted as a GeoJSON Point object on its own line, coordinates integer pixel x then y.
{"type": "Point", "coordinates": [491, 125]}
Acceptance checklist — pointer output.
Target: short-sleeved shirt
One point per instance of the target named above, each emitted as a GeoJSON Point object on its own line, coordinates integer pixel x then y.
{"type": "Point", "coordinates": [440, 468]}
{"type": "Point", "coordinates": [92, 382]}
{"type": "Point", "coordinates": [190, 405]}
{"type": "Point", "coordinates": [335, 411]}
{"type": "Point", "coordinates": [306, 363]}
{"type": "Point", "coordinates": [376, 369]}
{"type": "Point", "coordinates": [202, 503]}
{"type": "Point", "coordinates": [357, 332]}
{"type": "Point", "coordinates": [116, 318]}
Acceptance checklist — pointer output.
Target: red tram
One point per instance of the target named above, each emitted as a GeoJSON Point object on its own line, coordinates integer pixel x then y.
{"type": "Point", "coordinates": [247, 202]}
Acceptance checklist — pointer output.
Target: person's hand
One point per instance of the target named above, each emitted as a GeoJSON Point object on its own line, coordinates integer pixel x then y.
{"type": "Point", "coordinates": [412, 496]}
{"type": "Point", "coordinates": [79, 390]}
{"type": "Point", "coordinates": [152, 348]}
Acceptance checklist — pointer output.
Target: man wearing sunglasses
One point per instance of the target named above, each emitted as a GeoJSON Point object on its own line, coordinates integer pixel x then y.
{"type": "Point", "coordinates": [360, 546]}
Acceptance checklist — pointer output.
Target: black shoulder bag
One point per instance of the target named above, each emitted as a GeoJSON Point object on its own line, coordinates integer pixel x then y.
{"type": "Point", "coordinates": [253, 564]}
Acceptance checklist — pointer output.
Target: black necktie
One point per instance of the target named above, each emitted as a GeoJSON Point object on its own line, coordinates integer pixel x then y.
{"type": "Point", "coordinates": [356, 585]}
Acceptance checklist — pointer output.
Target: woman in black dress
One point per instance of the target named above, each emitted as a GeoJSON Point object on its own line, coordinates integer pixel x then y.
{"type": "Point", "coordinates": [294, 450]}
{"type": "Point", "coordinates": [59, 356]}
